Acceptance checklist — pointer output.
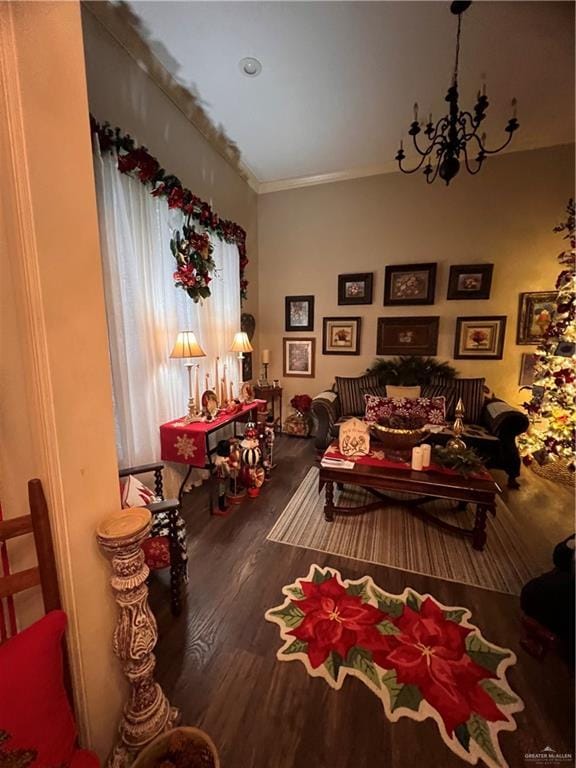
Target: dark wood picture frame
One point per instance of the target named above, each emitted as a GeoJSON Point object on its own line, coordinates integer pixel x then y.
{"type": "Point", "coordinates": [353, 348]}
{"type": "Point", "coordinates": [470, 281]}
{"type": "Point", "coordinates": [365, 295]}
{"type": "Point", "coordinates": [527, 363]}
{"type": "Point", "coordinates": [290, 372]}
{"type": "Point", "coordinates": [422, 294]}
{"type": "Point", "coordinates": [289, 324]}
{"type": "Point", "coordinates": [407, 335]}
{"type": "Point", "coordinates": [467, 348]}
{"type": "Point", "coordinates": [529, 305]}
{"type": "Point", "coordinates": [247, 366]}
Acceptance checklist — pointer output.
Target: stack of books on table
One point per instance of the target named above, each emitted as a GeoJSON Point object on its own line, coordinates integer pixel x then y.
{"type": "Point", "coordinates": [333, 463]}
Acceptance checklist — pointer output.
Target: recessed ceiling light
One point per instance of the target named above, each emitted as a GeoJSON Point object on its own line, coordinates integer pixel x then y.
{"type": "Point", "coordinates": [250, 66]}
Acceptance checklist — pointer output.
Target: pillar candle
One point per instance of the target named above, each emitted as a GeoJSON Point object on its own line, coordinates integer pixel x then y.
{"type": "Point", "coordinates": [426, 454]}
{"type": "Point", "coordinates": [197, 389]}
{"type": "Point", "coordinates": [265, 355]}
{"type": "Point", "coordinates": [207, 387]}
{"type": "Point", "coordinates": [225, 381]}
{"type": "Point", "coordinates": [231, 391]}
{"type": "Point", "coordinates": [417, 458]}
{"type": "Point", "coordinates": [217, 378]}
{"type": "Point", "coordinates": [222, 392]}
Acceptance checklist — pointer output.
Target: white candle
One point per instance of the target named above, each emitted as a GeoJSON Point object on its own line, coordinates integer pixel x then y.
{"type": "Point", "coordinates": [216, 378]}
{"type": "Point", "coordinates": [197, 389]}
{"type": "Point", "coordinates": [207, 387]}
{"type": "Point", "coordinates": [231, 391]}
{"type": "Point", "coordinates": [426, 454]}
{"type": "Point", "coordinates": [417, 458]}
{"type": "Point", "coordinates": [225, 382]}
{"type": "Point", "coordinates": [265, 355]}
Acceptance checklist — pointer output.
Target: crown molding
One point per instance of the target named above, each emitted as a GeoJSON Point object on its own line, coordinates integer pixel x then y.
{"type": "Point", "coordinates": [265, 187]}
{"type": "Point", "coordinates": [126, 29]}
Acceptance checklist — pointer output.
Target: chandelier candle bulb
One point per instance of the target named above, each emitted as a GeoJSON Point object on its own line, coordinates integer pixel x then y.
{"type": "Point", "coordinates": [426, 455]}
{"type": "Point", "coordinates": [417, 458]}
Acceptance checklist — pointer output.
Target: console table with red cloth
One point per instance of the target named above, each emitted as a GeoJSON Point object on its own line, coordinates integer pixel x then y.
{"type": "Point", "coordinates": [189, 443]}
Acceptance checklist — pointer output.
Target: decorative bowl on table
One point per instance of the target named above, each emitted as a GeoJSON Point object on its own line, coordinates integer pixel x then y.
{"type": "Point", "coordinates": [398, 436]}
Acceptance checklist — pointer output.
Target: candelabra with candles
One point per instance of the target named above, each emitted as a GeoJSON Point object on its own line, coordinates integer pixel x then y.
{"type": "Point", "coordinates": [187, 346]}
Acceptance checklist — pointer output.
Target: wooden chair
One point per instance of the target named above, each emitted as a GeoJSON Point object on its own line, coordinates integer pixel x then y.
{"type": "Point", "coordinates": [165, 515]}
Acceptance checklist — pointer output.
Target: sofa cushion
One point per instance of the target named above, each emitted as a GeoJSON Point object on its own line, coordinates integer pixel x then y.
{"type": "Point", "coordinates": [350, 393]}
{"type": "Point", "coordinates": [470, 390]}
{"type": "Point", "coordinates": [135, 494]}
{"type": "Point", "coordinates": [408, 392]}
{"type": "Point", "coordinates": [429, 409]}
{"type": "Point", "coordinates": [34, 708]}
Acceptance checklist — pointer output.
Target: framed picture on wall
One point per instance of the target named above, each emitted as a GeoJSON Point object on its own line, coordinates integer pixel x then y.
{"type": "Point", "coordinates": [247, 366]}
{"type": "Point", "coordinates": [407, 335]}
{"type": "Point", "coordinates": [409, 284]}
{"type": "Point", "coordinates": [355, 288]}
{"type": "Point", "coordinates": [299, 357]}
{"type": "Point", "coordinates": [470, 281]}
{"type": "Point", "coordinates": [527, 369]}
{"type": "Point", "coordinates": [479, 338]}
{"type": "Point", "coordinates": [535, 313]}
{"type": "Point", "coordinates": [299, 313]}
{"type": "Point", "coordinates": [341, 335]}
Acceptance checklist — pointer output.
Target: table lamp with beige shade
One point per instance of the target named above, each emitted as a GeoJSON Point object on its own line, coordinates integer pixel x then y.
{"type": "Point", "coordinates": [187, 346]}
{"type": "Point", "coordinates": [241, 344]}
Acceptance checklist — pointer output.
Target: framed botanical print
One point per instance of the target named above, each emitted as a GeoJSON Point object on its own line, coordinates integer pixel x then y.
{"type": "Point", "coordinates": [355, 288]}
{"type": "Point", "coordinates": [406, 284]}
{"type": "Point", "coordinates": [479, 338]}
{"type": "Point", "coordinates": [470, 281]}
{"type": "Point", "coordinates": [341, 335]}
{"type": "Point", "coordinates": [299, 357]}
{"type": "Point", "coordinates": [535, 313]}
{"type": "Point", "coordinates": [407, 335]}
{"type": "Point", "coordinates": [299, 313]}
{"type": "Point", "coordinates": [527, 369]}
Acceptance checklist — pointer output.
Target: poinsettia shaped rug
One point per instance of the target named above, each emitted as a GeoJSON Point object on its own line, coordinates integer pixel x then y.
{"type": "Point", "coordinates": [421, 658]}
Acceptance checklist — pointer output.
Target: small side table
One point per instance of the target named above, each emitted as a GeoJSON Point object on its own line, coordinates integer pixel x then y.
{"type": "Point", "coordinates": [271, 395]}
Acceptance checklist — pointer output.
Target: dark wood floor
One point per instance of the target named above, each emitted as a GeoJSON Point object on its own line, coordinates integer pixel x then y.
{"type": "Point", "coordinates": [217, 660]}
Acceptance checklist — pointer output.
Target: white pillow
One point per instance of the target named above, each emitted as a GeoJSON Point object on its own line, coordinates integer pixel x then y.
{"type": "Point", "coordinates": [410, 393]}
{"type": "Point", "coordinates": [135, 494]}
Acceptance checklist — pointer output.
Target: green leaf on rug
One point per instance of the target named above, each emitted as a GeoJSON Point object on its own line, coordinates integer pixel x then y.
{"type": "Point", "coordinates": [319, 578]}
{"type": "Point", "coordinates": [480, 732]}
{"type": "Point", "coordinates": [455, 615]}
{"type": "Point", "coordinates": [390, 605]}
{"type": "Point", "coordinates": [361, 659]}
{"type": "Point", "coordinates": [408, 696]}
{"type": "Point", "coordinates": [499, 695]}
{"type": "Point", "coordinates": [414, 601]}
{"type": "Point", "coordinates": [482, 653]}
{"type": "Point", "coordinates": [358, 590]}
{"type": "Point", "coordinates": [333, 664]}
{"type": "Point", "coordinates": [387, 628]}
{"type": "Point", "coordinates": [297, 646]}
{"type": "Point", "coordinates": [463, 735]}
{"type": "Point", "coordinates": [296, 593]}
{"type": "Point", "coordinates": [290, 614]}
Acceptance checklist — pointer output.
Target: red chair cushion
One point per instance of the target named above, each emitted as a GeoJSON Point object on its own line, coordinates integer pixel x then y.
{"type": "Point", "coordinates": [34, 707]}
{"type": "Point", "coordinates": [157, 552]}
{"type": "Point", "coordinates": [83, 758]}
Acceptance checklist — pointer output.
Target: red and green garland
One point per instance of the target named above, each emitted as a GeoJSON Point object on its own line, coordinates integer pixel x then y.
{"type": "Point", "coordinates": [192, 250]}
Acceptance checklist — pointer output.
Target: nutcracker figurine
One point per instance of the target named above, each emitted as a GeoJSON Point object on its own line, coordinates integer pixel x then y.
{"type": "Point", "coordinates": [223, 473]}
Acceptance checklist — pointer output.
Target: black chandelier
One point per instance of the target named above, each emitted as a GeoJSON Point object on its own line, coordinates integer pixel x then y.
{"type": "Point", "coordinates": [452, 136]}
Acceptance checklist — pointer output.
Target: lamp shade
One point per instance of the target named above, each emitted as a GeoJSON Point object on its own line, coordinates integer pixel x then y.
{"type": "Point", "coordinates": [187, 346]}
{"type": "Point", "coordinates": [241, 343]}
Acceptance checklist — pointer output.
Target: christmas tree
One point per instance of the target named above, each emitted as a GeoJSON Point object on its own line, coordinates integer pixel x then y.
{"type": "Point", "coordinates": [552, 407]}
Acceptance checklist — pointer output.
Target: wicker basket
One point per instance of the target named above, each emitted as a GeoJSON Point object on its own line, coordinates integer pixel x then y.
{"type": "Point", "coordinates": [154, 754]}
{"type": "Point", "coordinates": [397, 443]}
{"type": "Point", "coordinates": [556, 471]}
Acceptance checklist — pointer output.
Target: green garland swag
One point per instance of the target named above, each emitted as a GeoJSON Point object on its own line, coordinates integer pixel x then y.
{"type": "Point", "coordinates": [192, 250]}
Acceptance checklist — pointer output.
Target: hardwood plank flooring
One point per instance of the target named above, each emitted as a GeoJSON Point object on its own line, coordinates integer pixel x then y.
{"type": "Point", "coordinates": [217, 661]}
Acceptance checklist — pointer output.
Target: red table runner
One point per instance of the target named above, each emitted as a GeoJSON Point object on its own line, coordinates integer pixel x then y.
{"type": "Point", "coordinates": [377, 458]}
{"type": "Point", "coordinates": [188, 443]}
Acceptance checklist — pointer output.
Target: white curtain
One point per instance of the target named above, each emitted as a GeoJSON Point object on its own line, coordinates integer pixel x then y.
{"type": "Point", "coordinates": [145, 311]}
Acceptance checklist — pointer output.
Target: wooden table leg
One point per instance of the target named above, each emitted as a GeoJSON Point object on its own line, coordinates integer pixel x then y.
{"type": "Point", "coordinates": [329, 505]}
{"type": "Point", "coordinates": [479, 531]}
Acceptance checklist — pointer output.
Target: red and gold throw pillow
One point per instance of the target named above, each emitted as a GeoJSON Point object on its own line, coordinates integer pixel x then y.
{"type": "Point", "coordinates": [157, 552]}
{"type": "Point", "coordinates": [35, 715]}
{"type": "Point", "coordinates": [135, 494]}
{"type": "Point", "coordinates": [432, 409]}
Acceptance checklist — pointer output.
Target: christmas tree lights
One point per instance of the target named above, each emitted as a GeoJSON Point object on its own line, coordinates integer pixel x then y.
{"type": "Point", "coordinates": [552, 407]}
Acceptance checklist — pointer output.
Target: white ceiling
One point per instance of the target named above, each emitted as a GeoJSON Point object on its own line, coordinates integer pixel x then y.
{"type": "Point", "coordinates": [339, 78]}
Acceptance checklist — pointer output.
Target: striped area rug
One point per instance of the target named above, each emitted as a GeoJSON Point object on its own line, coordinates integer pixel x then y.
{"type": "Point", "coordinates": [394, 537]}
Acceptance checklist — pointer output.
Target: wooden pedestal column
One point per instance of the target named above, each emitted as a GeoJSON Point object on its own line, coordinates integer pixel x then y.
{"type": "Point", "coordinates": [147, 712]}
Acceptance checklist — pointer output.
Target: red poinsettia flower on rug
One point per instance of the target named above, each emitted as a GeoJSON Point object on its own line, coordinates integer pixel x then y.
{"type": "Point", "coordinates": [334, 620]}
{"type": "Point", "coordinates": [430, 652]}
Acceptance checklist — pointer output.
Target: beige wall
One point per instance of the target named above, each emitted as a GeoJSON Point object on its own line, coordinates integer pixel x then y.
{"type": "Point", "coordinates": [504, 216]}
{"type": "Point", "coordinates": [121, 92]}
{"type": "Point", "coordinates": [56, 410]}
